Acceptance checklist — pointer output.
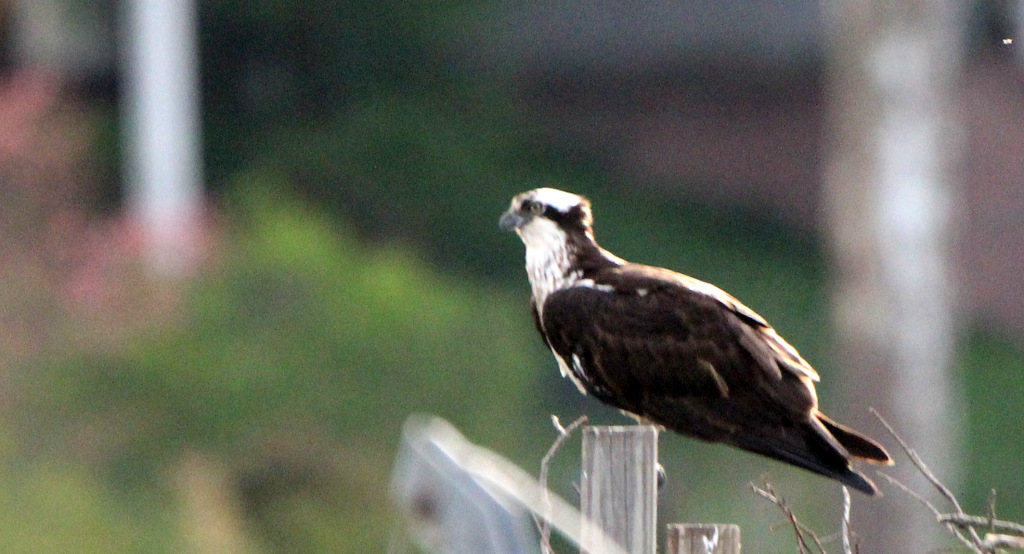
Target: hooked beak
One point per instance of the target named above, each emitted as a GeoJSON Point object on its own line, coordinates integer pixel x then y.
{"type": "Point", "coordinates": [511, 220]}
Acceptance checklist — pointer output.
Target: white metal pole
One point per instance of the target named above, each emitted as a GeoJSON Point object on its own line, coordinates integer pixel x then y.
{"type": "Point", "coordinates": [163, 137]}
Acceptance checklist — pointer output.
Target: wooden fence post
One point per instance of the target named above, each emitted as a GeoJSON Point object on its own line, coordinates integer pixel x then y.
{"type": "Point", "coordinates": [703, 538]}
{"type": "Point", "coordinates": [619, 487]}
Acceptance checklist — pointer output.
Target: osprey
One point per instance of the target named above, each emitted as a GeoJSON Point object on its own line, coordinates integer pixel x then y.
{"type": "Point", "coordinates": [672, 350]}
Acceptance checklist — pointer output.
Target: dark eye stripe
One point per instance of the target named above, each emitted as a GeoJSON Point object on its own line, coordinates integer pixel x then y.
{"type": "Point", "coordinates": [533, 207]}
{"type": "Point", "coordinates": [574, 219]}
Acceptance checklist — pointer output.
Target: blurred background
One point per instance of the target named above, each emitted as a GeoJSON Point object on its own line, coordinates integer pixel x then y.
{"type": "Point", "coordinates": [242, 241]}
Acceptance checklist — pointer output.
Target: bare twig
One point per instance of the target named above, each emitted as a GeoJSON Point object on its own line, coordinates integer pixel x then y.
{"type": "Point", "coordinates": [972, 545]}
{"type": "Point", "coordinates": [973, 542]}
{"type": "Point", "coordinates": [801, 530]}
{"type": "Point", "coordinates": [991, 510]}
{"type": "Point", "coordinates": [964, 527]}
{"type": "Point", "coordinates": [543, 525]}
{"type": "Point", "coordinates": [896, 483]}
{"type": "Point", "coordinates": [965, 521]}
{"type": "Point", "coordinates": [846, 522]}
{"type": "Point", "coordinates": [994, 541]}
{"type": "Point", "coordinates": [919, 463]}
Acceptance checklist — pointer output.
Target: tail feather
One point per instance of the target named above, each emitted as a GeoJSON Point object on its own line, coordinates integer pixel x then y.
{"type": "Point", "coordinates": [821, 446]}
{"type": "Point", "coordinates": [809, 449]}
{"type": "Point", "coordinates": [858, 445]}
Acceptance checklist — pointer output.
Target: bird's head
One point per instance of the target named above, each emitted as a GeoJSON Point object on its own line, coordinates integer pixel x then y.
{"type": "Point", "coordinates": [544, 217]}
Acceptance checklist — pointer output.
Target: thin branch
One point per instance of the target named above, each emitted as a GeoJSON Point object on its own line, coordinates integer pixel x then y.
{"type": "Point", "coordinates": [798, 528]}
{"type": "Point", "coordinates": [544, 525]}
{"type": "Point", "coordinates": [974, 542]}
{"type": "Point", "coordinates": [894, 482]}
{"type": "Point", "coordinates": [960, 525]}
{"type": "Point", "coordinates": [919, 463]}
{"type": "Point", "coordinates": [994, 541]}
{"type": "Point", "coordinates": [972, 545]}
{"type": "Point", "coordinates": [846, 522]}
{"type": "Point", "coordinates": [965, 521]}
{"type": "Point", "coordinates": [991, 510]}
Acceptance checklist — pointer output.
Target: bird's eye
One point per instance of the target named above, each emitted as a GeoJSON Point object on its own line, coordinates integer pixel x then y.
{"type": "Point", "coordinates": [536, 208]}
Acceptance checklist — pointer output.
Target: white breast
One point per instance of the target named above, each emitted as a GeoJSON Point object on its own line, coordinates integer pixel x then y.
{"type": "Point", "coordinates": [547, 259]}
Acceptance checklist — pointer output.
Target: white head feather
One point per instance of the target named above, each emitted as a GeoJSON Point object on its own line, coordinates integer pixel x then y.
{"type": "Point", "coordinates": [557, 199]}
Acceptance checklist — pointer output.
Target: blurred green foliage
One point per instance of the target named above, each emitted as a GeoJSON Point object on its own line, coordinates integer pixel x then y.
{"type": "Point", "coordinates": [296, 360]}
{"type": "Point", "coordinates": [992, 373]}
{"type": "Point", "coordinates": [54, 507]}
{"type": "Point", "coordinates": [370, 109]}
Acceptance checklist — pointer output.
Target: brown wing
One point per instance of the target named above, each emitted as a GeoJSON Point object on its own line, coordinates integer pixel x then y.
{"type": "Point", "coordinates": [656, 338]}
{"type": "Point", "coordinates": [762, 339]}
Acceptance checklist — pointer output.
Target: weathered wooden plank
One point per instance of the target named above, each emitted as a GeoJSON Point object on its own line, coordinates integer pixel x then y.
{"type": "Point", "coordinates": [703, 538]}
{"type": "Point", "coordinates": [619, 487]}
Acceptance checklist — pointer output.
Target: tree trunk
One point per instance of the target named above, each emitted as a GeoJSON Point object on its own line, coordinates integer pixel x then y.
{"type": "Point", "coordinates": [889, 193]}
